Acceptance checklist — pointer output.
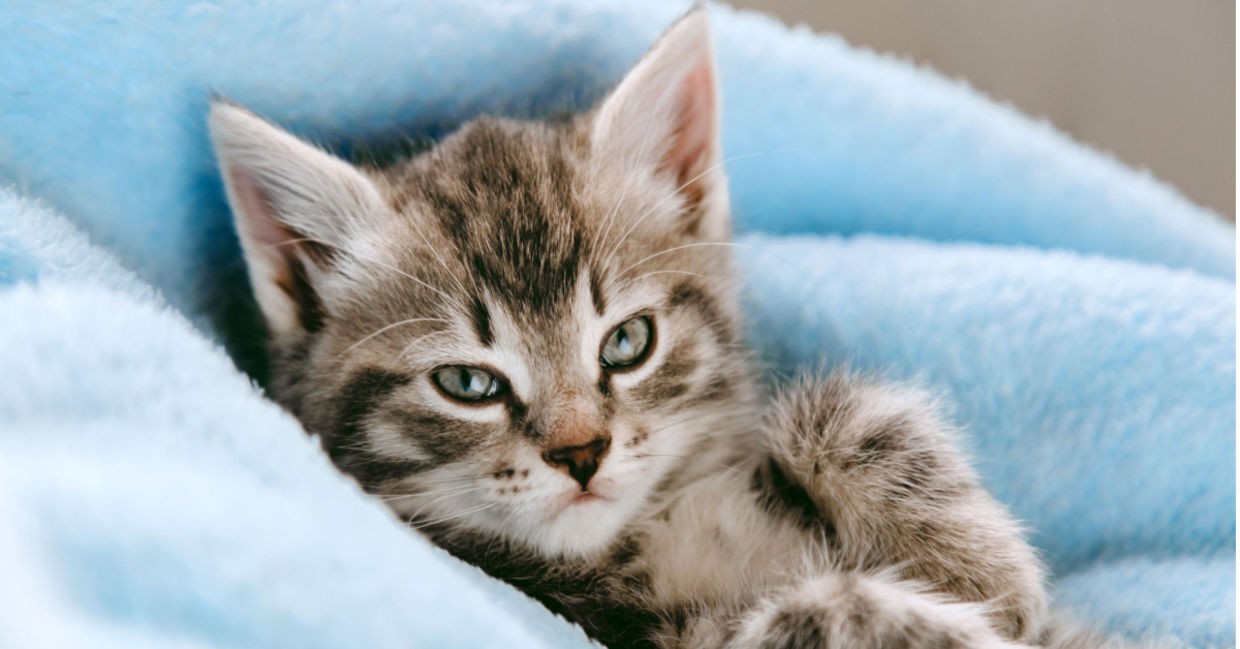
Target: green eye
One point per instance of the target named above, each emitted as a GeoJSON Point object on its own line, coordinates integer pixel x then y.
{"type": "Point", "coordinates": [628, 344]}
{"type": "Point", "coordinates": [467, 383]}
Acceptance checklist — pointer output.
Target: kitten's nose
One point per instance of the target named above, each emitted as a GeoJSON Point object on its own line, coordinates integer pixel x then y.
{"type": "Point", "coordinates": [581, 462]}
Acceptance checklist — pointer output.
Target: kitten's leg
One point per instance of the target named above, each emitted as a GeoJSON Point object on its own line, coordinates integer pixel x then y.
{"type": "Point", "coordinates": [854, 611]}
{"type": "Point", "coordinates": [882, 467]}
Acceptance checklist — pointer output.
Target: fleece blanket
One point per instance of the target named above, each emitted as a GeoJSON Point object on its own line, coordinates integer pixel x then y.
{"type": "Point", "coordinates": [1079, 315]}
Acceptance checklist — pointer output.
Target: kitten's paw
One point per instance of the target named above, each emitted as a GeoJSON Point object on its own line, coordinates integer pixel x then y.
{"type": "Point", "coordinates": [888, 441]}
{"type": "Point", "coordinates": [881, 463]}
{"type": "Point", "coordinates": [851, 611]}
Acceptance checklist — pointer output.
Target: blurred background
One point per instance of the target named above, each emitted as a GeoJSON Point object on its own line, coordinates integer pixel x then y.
{"type": "Point", "coordinates": [1152, 82]}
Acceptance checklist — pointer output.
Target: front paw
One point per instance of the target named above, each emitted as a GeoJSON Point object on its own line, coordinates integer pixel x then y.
{"type": "Point", "coordinates": [865, 445]}
{"type": "Point", "coordinates": [853, 611]}
{"type": "Point", "coordinates": [885, 465]}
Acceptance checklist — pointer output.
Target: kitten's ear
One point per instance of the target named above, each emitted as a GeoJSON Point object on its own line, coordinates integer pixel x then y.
{"type": "Point", "coordinates": [294, 206]}
{"type": "Point", "coordinates": [665, 115]}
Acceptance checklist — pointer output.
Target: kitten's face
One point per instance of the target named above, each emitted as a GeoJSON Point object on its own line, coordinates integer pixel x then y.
{"type": "Point", "coordinates": [520, 333]}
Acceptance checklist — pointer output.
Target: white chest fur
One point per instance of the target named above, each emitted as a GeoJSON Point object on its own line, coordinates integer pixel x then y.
{"type": "Point", "coordinates": [714, 542]}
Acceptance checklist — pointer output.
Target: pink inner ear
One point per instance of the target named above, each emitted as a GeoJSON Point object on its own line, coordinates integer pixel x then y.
{"type": "Point", "coordinates": [258, 215]}
{"type": "Point", "coordinates": [694, 138]}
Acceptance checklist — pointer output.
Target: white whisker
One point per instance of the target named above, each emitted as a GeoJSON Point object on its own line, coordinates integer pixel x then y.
{"type": "Point", "coordinates": [686, 457]}
{"type": "Point", "coordinates": [628, 180]}
{"type": "Point", "coordinates": [677, 272]}
{"type": "Point", "coordinates": [289, 242]}
{"type": "Point", "coordinates": [415, 341]}
{"type": "Point", "coordinates": [634, 280]}
{"type": "Point", "coordinates": [438, 521]}
{"type": "Point", "coordinates": [390, 327]}
{"type": "Point", "coordinates": [643, 217]}
{"type": "Point", "coordinates": [435, 492]}
{"type": "Point", "coordinates": [443, 263]}
{"type": "Point", "coordinates": [372, 261]}
{"type": "Point", "coordinates": [681, 247]}
{"type": "Point", "coordinates": [445, 296]}
{"type": "Point", "coordinates": [440, 498]}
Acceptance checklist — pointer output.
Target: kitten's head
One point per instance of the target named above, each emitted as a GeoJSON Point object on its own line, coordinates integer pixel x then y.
{"type": "Point", "coordinates": [521, 332]}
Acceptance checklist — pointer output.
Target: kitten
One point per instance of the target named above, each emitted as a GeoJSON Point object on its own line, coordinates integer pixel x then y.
{"type": "Point", "coordinates": [527, 341]}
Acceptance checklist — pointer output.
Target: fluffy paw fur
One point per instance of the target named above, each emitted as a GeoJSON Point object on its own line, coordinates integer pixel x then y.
{"type": "Point", "coordinates": [848, 611]}
{"type": "Point", "coordinates": [882, 465]}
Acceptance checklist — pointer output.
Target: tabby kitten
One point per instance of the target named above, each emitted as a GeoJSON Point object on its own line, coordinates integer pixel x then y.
{"type": "Point", "coordinates": [527, 341]}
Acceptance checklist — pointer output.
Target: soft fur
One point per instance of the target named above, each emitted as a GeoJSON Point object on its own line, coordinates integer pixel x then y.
{"type": "Point", "coordinates": [517, 248]}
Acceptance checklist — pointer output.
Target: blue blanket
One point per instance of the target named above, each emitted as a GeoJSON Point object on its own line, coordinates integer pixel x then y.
{"type": "Point", "coordinates": [1077, 314]}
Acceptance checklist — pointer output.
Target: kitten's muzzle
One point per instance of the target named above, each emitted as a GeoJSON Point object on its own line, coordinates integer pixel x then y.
{"type": "Point", "coordinates": [581, 462]}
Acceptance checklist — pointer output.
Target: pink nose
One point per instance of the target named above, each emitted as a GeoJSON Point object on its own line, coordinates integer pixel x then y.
{"type": "Point", "coordinates": [581, 462]}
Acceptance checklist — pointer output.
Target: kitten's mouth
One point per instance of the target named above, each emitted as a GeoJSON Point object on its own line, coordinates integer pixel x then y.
{"type": "Point", "coordinates": [581, 498]}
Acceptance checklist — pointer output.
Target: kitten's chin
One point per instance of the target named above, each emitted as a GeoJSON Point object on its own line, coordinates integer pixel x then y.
{"type": "Point", "coordinates": [582, 525]}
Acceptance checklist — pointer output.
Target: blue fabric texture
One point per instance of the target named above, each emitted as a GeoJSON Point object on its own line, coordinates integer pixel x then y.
{"type": "Point", "coordinates": [1078, 316]}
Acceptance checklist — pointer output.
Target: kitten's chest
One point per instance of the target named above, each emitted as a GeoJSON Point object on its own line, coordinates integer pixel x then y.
{"type": "Point", "coordinates": [719, 540]}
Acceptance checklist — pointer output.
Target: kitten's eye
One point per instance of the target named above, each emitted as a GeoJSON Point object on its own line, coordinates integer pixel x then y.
{"type": "Point", "coordinates": [467, 383]}
{"type": "Point", "coordinates": [628, 344]}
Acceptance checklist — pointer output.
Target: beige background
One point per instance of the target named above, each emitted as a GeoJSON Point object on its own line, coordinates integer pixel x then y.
{"type": "Point", "coordinates": [1151, 81]}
